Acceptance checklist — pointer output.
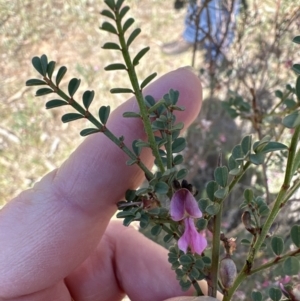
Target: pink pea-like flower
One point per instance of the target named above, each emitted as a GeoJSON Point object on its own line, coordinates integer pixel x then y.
{"type": "Point", "coordinates": [184, 204]}
{"type": "Point", "coordinates": [191, 238]}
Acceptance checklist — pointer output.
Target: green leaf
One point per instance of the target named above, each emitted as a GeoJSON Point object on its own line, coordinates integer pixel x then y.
{"type": "Point", "coordinates": [137, 58]}
{"type": "Point", "coordinates": [54, 103]}
{"type": "Point", "coordinates": [211, 188]}
{"type": "Point", "coordinates": [141, 143]}
{"type": "Point", "coordinates": [296, 68]}
{"type": "Point", "coordinates": [43, 91]}
{"type": "Point", "coordinates": [295, 235]}
{"type": "Point", "coordinates": [291, 266]}
{"type": "Point", "coordinates": [221, 175]}
{"type": "Point", "coordinates": [127, 24]}
{"type": "Point", "coordinates": [221, 193]}
{"type": "Point", "coordinates": [136, 149]}
{"type": "Point", "coordinates": [104, 112]}
{"type": "Point", "coordinates": [232, 164]}
{"type": "Point", "coordinates": [36, 62]}
{"type": "Point", "coordinates": [185, 259]}
{"type": "Point", "coordinates": [156, 230]}
{"type": "Point", "coordinates": [185, 285]}
{"type": "Point", "coordinates": [201, 224]}
{"type": "Point", "coordinates": [161, 188]}
{"type": "Point", "coordinates": [279, 94]}
{"type": "Point", "coordinates": [296, 39]}
{"type": "Point", "coordinates": [70, 117]}
{"type": "Point", "coordinates": [203, 203]}
{"type": "Point", "coordinates": [123, 12]}
{"type": "Point", "coordinates": [110, 3]}
{"type": "Point", "coordinates": [181, 174]}
{"type": "Point", "coordinates": [109, 28]}
{"type": "Point", "coordinates": [131, 162]}
{"type": "Point", "coordinates": [121, 90]}
{"type": "Point", "coordinates": [147, 80]}
{"type": "Point", "coordinates": [87, 98]}
{"type": "Point", "coordinates": [123, 214]}
{"type": "Point", "coordinates": [178, 145]}
{"type": "Point", "coordinates": [194, 273]}
{"type": "Point", "coordinates": [133, 35]}
{"type": "Point", "coordinates": [297, 88]}
{"type": "Point", "coordinates": [44, 64]}
{"type": "Point", "coordinates": [117, 66]}
{"type": "Point", "coordinates": [178, 159]}
{"type": "Point", "coordinates": [73, 86]}
{"type": "Point", "coordinates": [108, 14]}
{"type": "Point", "coordinates": [257, 159]}
{"type": "Point", "coordinates": [245, 242]}
{"type": "Point", "coordinates": [119, 4]}
{"type": "Point", "coordinates": [35, 82]}
{"type": "Point", "coordinates": [256, 296]}
{"type": "Point", "coordinates": [292, 120]}
{"type": "Point", "coordinates": [111, 45]}
{"type": "Point", "coordinates": [145, 220]}
{"type": "Point", "coordinates": [131, 114]}
{"type": "Point", "coordinates": [248, 195]}
{"type": "Point", "coordinates": [263, 210]}
{"type": "Point", "coordinates": [236, 171]}
{"type": "Point", "coordinates": [149, 101]}
{"type": "Point", "coordinates": [246, 144]}
{"type": "Point", "coordinates": [277, 245]}
{"type": "Point", "coordinates": [273, 146]}
{"type": "Point", "coordinates": [60, 74]}
{"type": "Point", "coordinates": [206, 260]}
{"type": "Point", "coordinates": [275, 294]}
{"type": "Point", "coordinates": [213, 209]}
{"type": "Point", "coordinates": [128, 220]}
{"type": "Point", "coordinates": [237, 152]}
{"type": "Point", "coordinates": [50, 68]}
{"type": "Point", "coordinates": [89, 131]}
{"type": "Point", "coordinates": [168, 238]}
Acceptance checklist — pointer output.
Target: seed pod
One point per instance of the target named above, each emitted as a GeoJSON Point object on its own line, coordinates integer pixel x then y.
{"type": "Point", "coordinates": [227, 272]}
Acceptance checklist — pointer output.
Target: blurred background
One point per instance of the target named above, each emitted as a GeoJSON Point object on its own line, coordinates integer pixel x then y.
{"type": "Point", "coordinates": [242, 84]}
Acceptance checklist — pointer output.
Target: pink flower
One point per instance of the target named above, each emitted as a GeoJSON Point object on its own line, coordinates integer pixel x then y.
{"type": "Point", "coordinates": [191, 238]}
{"type": "Point", "coordinates": [184, 204]}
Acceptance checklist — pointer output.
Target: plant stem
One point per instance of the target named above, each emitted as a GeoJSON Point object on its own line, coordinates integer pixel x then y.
{"type": "Point", "coordinates": [138, 93]}
{"type": "Point", "coordinates": [196, 286]}
{"type": "Point", "coordinates": [246, 270]}
{"type": "Point", "coordinates": [102, 128]}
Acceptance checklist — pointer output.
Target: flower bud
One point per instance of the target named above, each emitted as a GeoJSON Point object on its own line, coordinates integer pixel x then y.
{"type": "Point", "coordinates": [227, 272]}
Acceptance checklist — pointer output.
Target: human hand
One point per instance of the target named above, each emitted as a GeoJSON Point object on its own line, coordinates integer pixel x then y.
{"type": "Point", "coordinates": [56, 242]}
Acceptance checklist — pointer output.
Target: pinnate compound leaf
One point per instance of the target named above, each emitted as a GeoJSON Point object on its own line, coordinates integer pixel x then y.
{"type": "Point", "coordinates": [133, 35]}
{"type": "Point", "coordinates": [178, 145]}
{"type": "Point", "coordinates": [35, 82]}
{"type": "Point", "coordinates": [44, 64]}
{"type": "Point", "coordinates": [256, 296]}
{"type": "Point", "coordinates": [54, 103]}
{"type": "Point", "coordinates": [296, 68]}
{"type": "Point", "coordinates": [110, 3]}
{"type": "Point", "coordinates": [87, 98]}
{"type": "Point", "coordinates": [131, 114]}
{"type": "Point", "coordinates": [296, 39]}
{"type": "Point", "coordinates": [221, 175]}
{"type": "Point", "coordinates": [60, 74]}
{"type": "Point", "coordinates": [123, 12]}
{"type": "Point", "coordinates": [109, 28]}
{"type": "Point", "coordinates": [137, 58]}
{"type": "Point", "coordinates": [148, 79]}
{"type": "Point", "coordinates": [50, 68]}
{"type": "Point", "coordinates": [70, 117]}
{"type": "Point", "coordinates": [111, 45]}
{"type": "Point", "coordinates": [73, 86]}
{"type": "Point", "coordinates": [108, 14]}
{"type": "Point", "coordinates": [295, 235]}
{"type": "Point", "coordinates": [292, 120]}
{"type": "Point", "coordinates": [89, 131]}
{"type": "Point", "coordinates": [127, 24]}
{"type": "Point", "coordinates": [36, 62]}
{"type": "Point", "coordinates": [291, 266]}
{"type": "Point", "coordinates": [275, 293]}
{"type": "Point", "coordinates": [121, 90]}
{"type": "Point", "coordinates": [277, 245]}
{"type": "Point", "coordinates": [117, 66]}
{"type": "Point", "coordinates": [104, 112]}
{"type": "Point", "coordinates": [43, 91]}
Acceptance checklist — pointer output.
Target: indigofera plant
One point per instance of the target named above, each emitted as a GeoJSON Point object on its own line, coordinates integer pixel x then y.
{"type": "Point", "coordinates": [167, 203]}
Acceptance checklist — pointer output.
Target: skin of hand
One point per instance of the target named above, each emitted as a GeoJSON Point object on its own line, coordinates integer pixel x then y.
{"type": "Point", "coordinates": [56, 239]}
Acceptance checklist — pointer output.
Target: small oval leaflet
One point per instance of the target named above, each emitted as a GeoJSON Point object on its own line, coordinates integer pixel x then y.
{"type": "Point", "coordinates": [161, 188]}
{"type": "Point", "coordinates": [104, 112]}
{"type": "Point", "coordinates": [110, 4]}
{"type": "Point", "coordinates": [116, 66]}
{"type": "Point", "coordinates": [178, 145]}
{"type": "Point", "coordinates": [127, 24]}
{"type": "Point", "coordinates": [275, 294]}
{"type": "Point", "coordinates": [277, 245]}
{"type": "Point", "coordinates": [71, 117]}
{"type": "Point", "coordinates": [133, 35]}
{"type": "Point", "coordinates": [295, 235]}
{"type": "Point", "coordinates": [121, 90]}
{"type": "Point", "coordinates": [109, 27]}
{"type": "Point", "coordinates": [50, 68]}
{"type": "Point", "coordinates": [108, 14]}
{"type": "Point", "coordinates": [89, 131]}
{"type": "Point", "coordinates": [221, 175]}
{"type": "Point", "coordinates": [137, 58]}
{"type": "Point", "coordinates": [43, 91]}
{"type": "Point", "coordinates": [36, 62]}
{"type": "Point", "coordinates": [256, 296]}
{"type": "Point", "coordinates": [54, 103]}
{"type": "Point", "coordinates": [35, 82]}
{"type": "Point", "coordinates": [111, 45]}
{"type": "Point", "coordinates": [291, 266]}
{"type": "Point", "coordinates": [156, 230]}
{"type": "Point", "coordinates": [123, 11]}
{"type": "Point", "coordinates": [74, 84]}
{"type": "Point", "coordinates": [44, 64]}
{"type": "Point", "coordinates": [60, 74]}
{"type": "Point", "coordinates": [87, 98]}
{"type": "Point", "coordinates": [147, 80]}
